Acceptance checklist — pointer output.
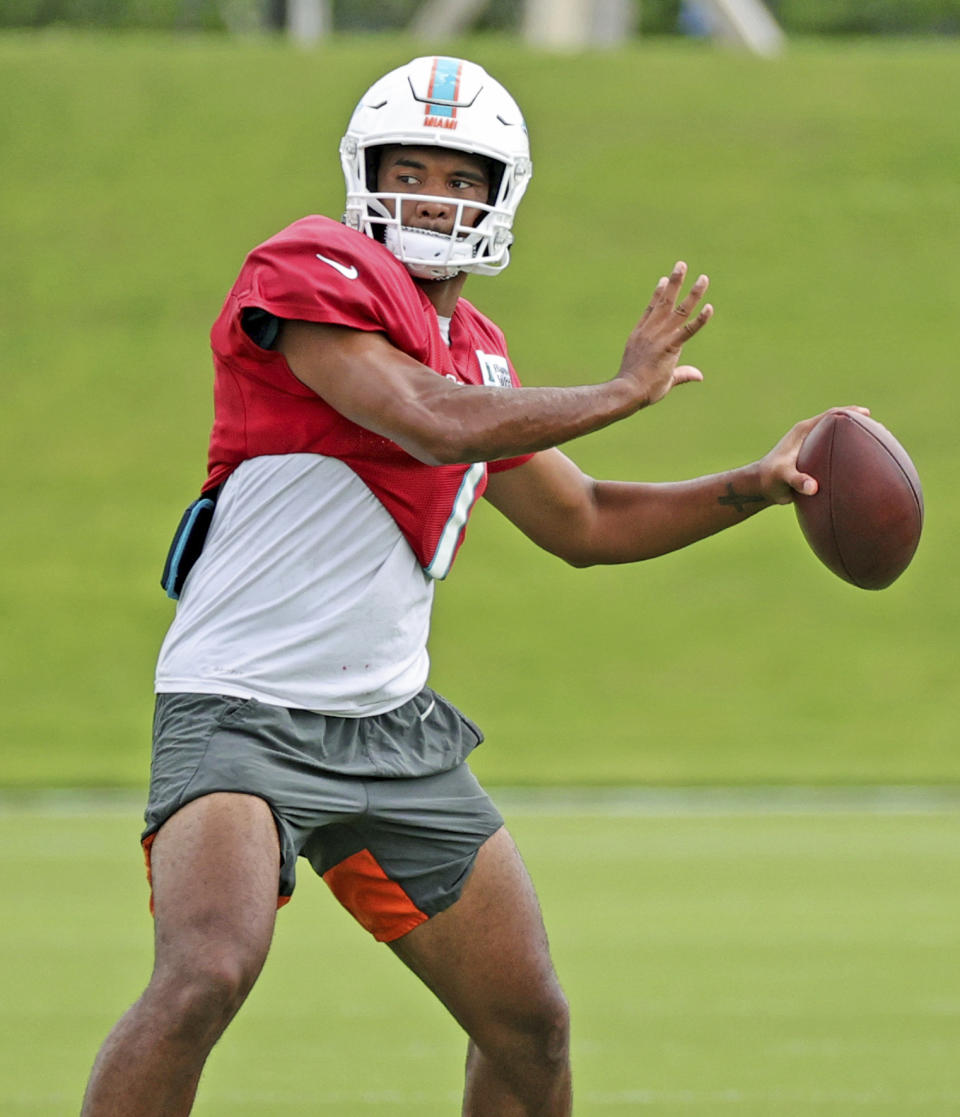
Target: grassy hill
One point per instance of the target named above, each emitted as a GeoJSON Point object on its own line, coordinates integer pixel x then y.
{"type": "Point", "coordinates": [818, 191]}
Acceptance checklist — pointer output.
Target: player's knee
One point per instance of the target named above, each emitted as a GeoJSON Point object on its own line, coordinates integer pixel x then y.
{"type": "Point", "coordinates": [552, 1032]}
{"type": "Point", "coordinates": [540, 1035]}
{"type": "Point", "coordinates": [199, 1000]}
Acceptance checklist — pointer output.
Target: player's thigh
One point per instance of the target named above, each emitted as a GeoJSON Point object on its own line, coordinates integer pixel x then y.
{"type": "Point", "coordinates": [214, 871]}
{"type": "Point", "coordinates": [487, 956]}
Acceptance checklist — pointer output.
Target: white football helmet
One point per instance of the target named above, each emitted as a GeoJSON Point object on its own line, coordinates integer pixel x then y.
{"type": "Point", "coordinates": [449, 103]}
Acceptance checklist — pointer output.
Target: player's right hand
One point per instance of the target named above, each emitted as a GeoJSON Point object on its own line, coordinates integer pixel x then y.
{"type": "Point", "coordinates": [653, 348]}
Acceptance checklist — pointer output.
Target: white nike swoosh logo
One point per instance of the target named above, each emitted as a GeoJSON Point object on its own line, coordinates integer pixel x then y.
{"type": "Point", "coordinates": [429, 710]}
{"type": "Point", "coordinates": [347, 272]}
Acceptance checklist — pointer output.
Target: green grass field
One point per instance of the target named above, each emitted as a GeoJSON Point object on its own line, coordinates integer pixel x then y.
{"type": "Point", "coordinates": [720, 956]}
{"type": "Point", "coordinates": [819, 192]}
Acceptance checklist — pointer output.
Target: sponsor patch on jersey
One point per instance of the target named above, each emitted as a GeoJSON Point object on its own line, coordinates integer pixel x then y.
{"type": "Point", "coordinates": [495, 370]}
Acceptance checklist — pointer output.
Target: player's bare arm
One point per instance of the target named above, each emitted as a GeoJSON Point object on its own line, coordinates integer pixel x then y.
{"type": "Point", "coordinates": [587, 522]}
{"type": "Point", "coordinates": [440, 422]}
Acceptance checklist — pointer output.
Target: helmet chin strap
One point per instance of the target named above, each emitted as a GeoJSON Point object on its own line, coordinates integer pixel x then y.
{"type": "Point", "coordinates": [416, 248]}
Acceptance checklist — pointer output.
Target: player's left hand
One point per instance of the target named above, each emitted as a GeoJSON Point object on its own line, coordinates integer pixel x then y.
{"type": "Point", "coordinates": [780, 480]}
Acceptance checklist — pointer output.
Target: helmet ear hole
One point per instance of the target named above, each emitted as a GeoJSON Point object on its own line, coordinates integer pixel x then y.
{"type": "Point", "coordinates": [495, 170]}
{"type": "Point", "coordinates": [372, 158]}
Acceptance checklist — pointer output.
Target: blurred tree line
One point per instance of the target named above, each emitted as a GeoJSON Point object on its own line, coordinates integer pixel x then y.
{"type": "Point", "coordinates": [655, 16]}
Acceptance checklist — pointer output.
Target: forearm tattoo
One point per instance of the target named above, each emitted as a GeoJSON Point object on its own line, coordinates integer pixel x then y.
{"type": "Point", "coordinates": [740, 500]}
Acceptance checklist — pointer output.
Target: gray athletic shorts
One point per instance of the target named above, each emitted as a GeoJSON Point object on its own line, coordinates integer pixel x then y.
{"type": "Point", "coordinates": [384, 808]}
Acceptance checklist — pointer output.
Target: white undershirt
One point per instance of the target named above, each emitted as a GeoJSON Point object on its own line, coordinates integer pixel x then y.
{"type": "Point", "coordinates": [306, 595]}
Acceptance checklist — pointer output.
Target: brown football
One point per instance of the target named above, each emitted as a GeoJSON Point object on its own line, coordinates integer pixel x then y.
{"type": "Point", "coordinates": [865, 520]}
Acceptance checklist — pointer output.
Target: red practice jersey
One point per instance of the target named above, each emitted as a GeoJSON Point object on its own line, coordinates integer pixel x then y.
{"type": "Point", "coordinates": [320, 271]}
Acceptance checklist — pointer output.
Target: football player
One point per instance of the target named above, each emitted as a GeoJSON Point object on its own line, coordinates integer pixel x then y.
{"type": "Point", "coordinates": [362, 407]}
